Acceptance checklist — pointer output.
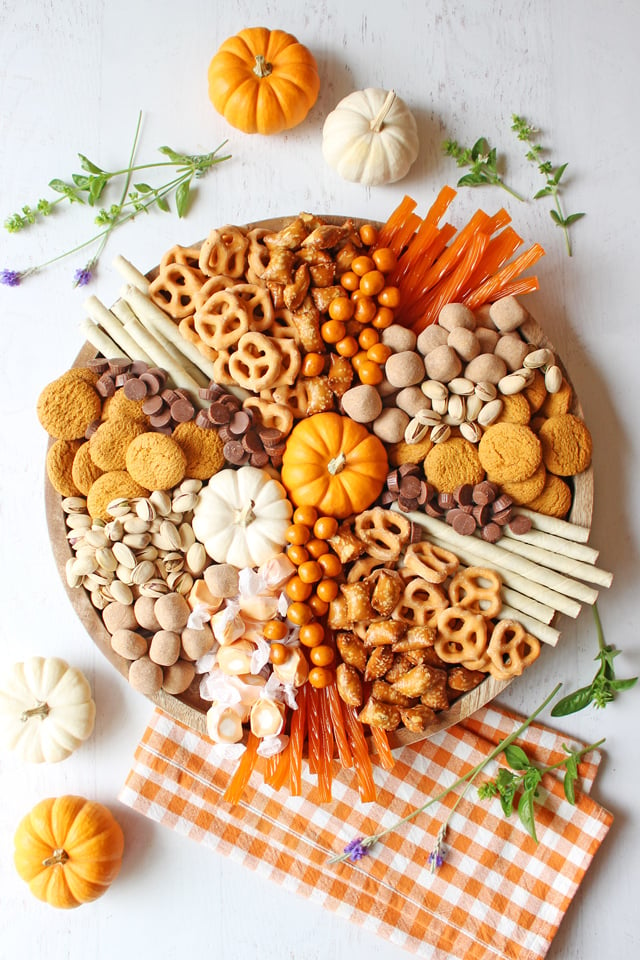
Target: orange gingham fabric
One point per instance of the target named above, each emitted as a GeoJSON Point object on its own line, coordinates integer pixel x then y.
{"type": "Point", "coordinates": [498, 894]}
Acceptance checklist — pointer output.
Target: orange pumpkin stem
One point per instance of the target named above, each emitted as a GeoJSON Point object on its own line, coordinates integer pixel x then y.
{"type": "Point", "coordinates": [262, 68]}
{"type": "Point", "coordinates": [42, 710]}
{"type": "Point", "coordinates": [58, 856]}
{"type": "Point", "coordinates": [337, 464]}
{"type": "Point", "coordinates": [378, 121]}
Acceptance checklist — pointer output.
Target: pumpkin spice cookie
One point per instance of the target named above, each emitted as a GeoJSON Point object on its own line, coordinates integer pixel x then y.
{"type": "Point", "coordinates": [524, 491]}
{"type": "Point", "coordinates": [120, 407]}
{"type": "Point", "coordinates": [557, 403]}
{"type": "Point", "coordinates": [402, 452]}
{"type": "Point", "coordinates": [67, 406]}
{"type": "Point", "coordinates": [59, 467]}
{"type": "Point", "coordinates": [108, 445]}
{"type": "Point", "coordinates": [110, 486]}
{"type": "Point", "coordinates": [515, 409]}
{"type": "Point", "coordinates": [566, 445]}
{"type": "Point", "coordinates": [508, 452]}
{"type": "Point", "coordinates": [452, 463]}
{"type": "Point", "coordinates": [536, 392]}
{"type": "Point", "coordinates": [555, 498]}
{"type": "Point", "coordinates": [84, 471]}
{"type": "Point", "coordinates": [156, 461]}
{"type": "Point", "coordinates": [202, 448]}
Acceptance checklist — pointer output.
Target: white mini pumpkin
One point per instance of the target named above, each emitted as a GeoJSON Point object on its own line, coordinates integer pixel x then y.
{"type": "Point", "coordinates": [46, 709]}
{"type": "Point", "coordinates": [242, 516]}
{"type": "Point", "coordinates": [371, 137]}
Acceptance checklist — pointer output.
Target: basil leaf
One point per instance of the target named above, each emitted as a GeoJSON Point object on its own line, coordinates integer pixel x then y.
{"type": "Point", "coordinates": [542, 193]}
{"type": "Point", "coordinates": [480, 148]}
{"type": "Point", "coordinates": [526, 813]}
{"type": "Point", "coordinates": [182, 197]}
{"type": "Point", "coordinates": [618, 685]}
{"type": "Point", "coordinates": [573, 702]}
{"type": "Point", "coordinates": [471, 180]}
{"type": "Point", "coordinates": [570, 778]}
{"type": "Point", "coordinates": [517, 758]}
{"type": "Point", "coordinates": [506, 799]}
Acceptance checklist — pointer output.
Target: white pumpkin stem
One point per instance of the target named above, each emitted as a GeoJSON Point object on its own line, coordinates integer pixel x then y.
{"type": "Point", "coordinates": [337, 464]}
{"type": "Point", "coordinates": [58, 856]}
{"type": "Point", "coordinates": [377, 123]}
{"type": "Point", "coordinates": [246, 515]}
{"type": "Point", "coordinates": [42, 710]}
{"type": "Point", "coordinates": [262, 68]}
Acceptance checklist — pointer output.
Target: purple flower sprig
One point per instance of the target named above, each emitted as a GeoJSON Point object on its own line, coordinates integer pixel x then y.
{"type": "Point", "coordinates": [87, 188]}
{"type": "Point", "coordinates": [358, 848]}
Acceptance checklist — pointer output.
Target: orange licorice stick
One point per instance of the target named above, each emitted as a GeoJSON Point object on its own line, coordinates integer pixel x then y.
{"type": "Point", "coordinates": [518, 288]}
{"type": "Point", "coordinates": [381, 741]}
{"type": "Point", "coordinates": [339, 729]}
{"type": "Point", "coordinates": [448, 289]}
{"type": "Point", "coordinates": [313, 731]}
{"type": "Point", "coordinates": [325, 753]}
{"type": "Point", "coordinates": [440, 205]}
{"type": "Point", "coordinates": [500, 249]}
{"type": "Point", "coordinates": [240, 779]}
{"type": "Point", "coordinates": [450, 257]}
{"type": "Point", "coordinates": [395, 220]}
{"type": "Point", "coordinates": [361, 758]}
{"type": "Point", "coordinates": [402, 237]}
{"type": "Point", "coordinates": [281, 768]}
{"type": "Point", "coordinates": [296, 742]}
{"type": "Point", "coordinates": [488, 290]}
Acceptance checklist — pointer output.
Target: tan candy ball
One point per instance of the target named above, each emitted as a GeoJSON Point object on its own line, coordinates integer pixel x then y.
{"type": "Point", "coordinates": [487, 338]}
{"type": "Point", "coordinates": [172, 612]}
{"type": "Point", "coordinates": [178, 677]}
{"type": "Point", "coordinates": [404, 369]}
{"type": "Point", "coordinates": [119, 616]}
{"type": "Point", "coordinates": [464, 342]}
{"type": "Point", "coordinates": [399, 338]}
{"type": "Point", "coordinates": [222, 580]}
{"type": "Point", "coordinates": [456, 315]}
{"type": "Point", "coordinates": [512, 349]}
{"type": "Point", "coordinates": [412, 400]}
{"type": "Point", "coordinates": [430, 338]}
{"type": "Point", "coordinates": [486, 367]}
{"type": "Point", "coordinates": [143, 609]}
{"type": "Point", "coordinates": [145, 676]}
{"type": "Point", "coordinates": [443, 364]}
{"type": "Point", "coordinates": [362, 403]}
{"type": "Point", "coordinates": [507, 314]}
{"type": "Point", "coordinates": [391, 425]}
{"type": "Point", "coordinates": [195, 643]}
{"type": "Point", "coordinates": [128, 644]}
{"type": "Point", "coordinates": [164, 648]}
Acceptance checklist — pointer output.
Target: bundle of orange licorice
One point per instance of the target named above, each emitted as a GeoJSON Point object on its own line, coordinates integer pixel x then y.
{"type": "Point", "coordinates": [328, 726]}
{"type": "Point", "coordinates": [475, 268]}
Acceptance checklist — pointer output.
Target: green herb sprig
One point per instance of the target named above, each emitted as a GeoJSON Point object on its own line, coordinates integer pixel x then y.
{"type": "Point", "coordinates": [483, 161]}
{"type": "Point", "coordinates": [87, 189]}
{"type": "Point", "coordinates": [525, 776]}
{"type": "Point", "coordinates": [359, 847]}
{"type": "Point", "coordinates": [604, 686]}
{"type": "Point", "coordinates": [552, 175]}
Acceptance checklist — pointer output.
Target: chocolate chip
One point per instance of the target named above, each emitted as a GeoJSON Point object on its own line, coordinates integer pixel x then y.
{"type": "Point", "coordinates": [519, 524]}
{"type": "Point", "coordinates": [463, 523]}
{"type": "Point", "coordinates": [239, 423]}
{"type": "Point", "coordinates": [432, 509]}
{"type": "Point", "coordinates": [407, 504]}
{"type": "Point", "coordinates": [162, 418]}
{"type": "Point", "coordinates": [159, 374]}
{"type": "Point", "coordinates": [409, 469]}
{"type": "Point", "coordinates": [206, 393]}
{"type": "Point", "coordinates": [392, 481]}
{"type": "Point", "coordinates": [259, 459]}
{"type": "Point", "coordinates": [491, 532]}
{"type": "Point", "coordinates": [446, 501]}
{"type": "Point", "coordinates": [251, 441]}
{"type": "Point", "coordinates": [225, 434]}
{"type": "Point", "coordinates": [482, 514]}
{"type": "Point", "coordinates": [231, 402]}
{"type": "Point", "coordinates": [122, 378]}
{"type": "Point", "coordinates": [387, 498]}
{"type": "Point", "coordinates": [483, 493]}
{"type": "Point", "coordinates": [91, 429]}
{"type": "Point", "coordinates": [98, 364]}
{"type": "Point", "coordinates": [276, 460]}
{"type": "Point", "coordinates": [269, 435]}
{"type": "Point", "coordinates": [502, 503]}
{"type": "Point", "coordinates": [167, 430]}
{"type": "Point", "coordinates": [219, 414]}
{"type": "Point", "coordinates": [169, 396]}
{"type": "Point", "coordinates": [138, 367]}
{"type": "Point", "coordinates": [152, 405]}
{"type": "Point", "coordinates": [135, 389]}
{"type": "Point", "coordinates": [502, 517]}
{"type": "Point", "coordinates": [410, 487]}
{"type": "Point", "coordinates": [105, 386]}
{"type": "Point", "coordinates": [272, 443]}
{"type": "Point", "coordinates": [119, 365]}
{"type": "Point", "coordinates": [235, 453]}
{"type": "Point", "coordinates": [415, 533]}
{"type": "Point", "coordinates": [202, 420]}
{"type": "Point", "coordinates": [154, 384]}
{"type": "Point", "coordinates": [423, 496]}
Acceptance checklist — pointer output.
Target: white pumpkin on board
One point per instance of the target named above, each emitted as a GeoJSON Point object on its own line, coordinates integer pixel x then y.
{"type": "Point", "coordinates": [371, 137]}
{"type": "Point", "coordinates": [46, 709]}
{"type": "Point", "coordinates": [242, 516]}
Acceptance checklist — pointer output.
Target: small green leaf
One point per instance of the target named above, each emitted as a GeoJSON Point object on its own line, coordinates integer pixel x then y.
{"type": "Point", "coordinates": [573, 702]}
{"type": "Point", "coordinates": [619, 685]}
{"type": "Point", "coordinates": [480, 148]}
{"type": "Point", "coordinates": [517, 758]}
{"type": "Point", "coordinates": [557, 177]}
{"type": "Point", "coordinates": [96, 189]}
{"type": "Point", "coordinates": [526, 813]}
{"type": "Point", "coordinates": [570, 778]}
{"type": "Point", "coordinates": [81, 182]}
{"type": "Point", "coordinates": [143, 187]}
{"type": "Point", "coordinates": [472, 180]}
{"type": "Point", "coordinates": [182, 197]}
{"type": "Point", "coordinates": [59, 186]}
{"type": "Point", "coordinates": [573, 217]}
{"type": "Point", "coordinates": [556, 217]}
{"type": "Point", "coordinates": [87, 165]}
{"type": "Point", "coordinates": [542, 193]}
{"type": "Point", "coordinates": [163, 205]}
{"type": "Point", "coordinates": [506, 800]}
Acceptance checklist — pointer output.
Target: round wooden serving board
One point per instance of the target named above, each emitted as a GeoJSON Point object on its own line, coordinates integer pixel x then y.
{"type": "Point", "coordinates": [188, 708]}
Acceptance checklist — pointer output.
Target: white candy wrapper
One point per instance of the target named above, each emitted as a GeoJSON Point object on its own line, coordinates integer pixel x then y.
{"type": "Point", "coordinates": [227, 751]}
{"type": "Point", "coordinates": [270, 746]}
{"type": "Point", "coordinates": [260, 657]}
{"type": "Point", "coordinates": [281, 692]}
{"type": "Point", "coordinates": [198, 617]}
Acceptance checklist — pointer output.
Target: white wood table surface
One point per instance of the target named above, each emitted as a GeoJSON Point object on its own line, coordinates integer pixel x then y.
{"type": "Point", "coordinates": [73, 76]}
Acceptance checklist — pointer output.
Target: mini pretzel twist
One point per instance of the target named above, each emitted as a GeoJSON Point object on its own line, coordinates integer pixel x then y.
{"type": "Point", "coordinates": [187, 329]}
{"type": "Point", "coordinates": [224, 252]}
{"type": "Point", "coordinates": [430, 562]}
{"type": "Point", "coordinates": [290, 362]}
{"type": "Point", "coordinates": [511, 649]}
{"type": "Point", "coordinates": [283, 327]}
{"type": "Point", "coordinates": [421, 603]}
{"type": "Point", "coordinates": [273, 415]}
{"type": "Point", "coordinates": [257, 254]}
{"type": "Point", "coordinates": [256, 363]}
{"type": "Point", "coordinates": [175, 288]}
{"type": "Point", "coordinates": [477, 589]}
{"type": "Point", "coordinates": [187, 256]}
{"type": "Point", "coordinates": [211, 286]}
{"type": "Point", "coordinates": [462, 636]}
{"type": "Point", "coordinates": [297, 398]}
{"type": "Point", "coordinates": [384, 533]}
{"type": "Point", "coordinates": [222, 320]}
{"type": "Point", "coordinates": [258, 305]}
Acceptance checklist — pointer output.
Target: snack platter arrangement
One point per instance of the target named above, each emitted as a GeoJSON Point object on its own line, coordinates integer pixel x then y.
{"type": "Point", "coordinates": [319, 487]}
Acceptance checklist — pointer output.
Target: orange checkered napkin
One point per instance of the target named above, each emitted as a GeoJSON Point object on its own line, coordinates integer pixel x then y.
{"type": "Point", "coordinates": [497, 895]}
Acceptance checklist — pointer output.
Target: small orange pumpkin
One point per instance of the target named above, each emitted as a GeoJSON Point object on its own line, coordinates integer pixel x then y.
{"type": "Point", "coordinates": [334, 464]}
{"type": "Point", "coordinates": [263, 81]}
{"type": "Point", "coordinates": [68, 850]}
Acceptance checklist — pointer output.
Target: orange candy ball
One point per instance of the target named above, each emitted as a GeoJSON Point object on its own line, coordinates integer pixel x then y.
{"type": "Point", "coordinates": [325, 527]}
{"type": "Point", "coordinates": [311, 634]}
{"type": "Point", "coordinates": [361, 265]}
{"type": "Point", "coordinates": [389, 297]}
{"type": "Point", "coordinates": [341, 309]}
{"type": "Point", "coordinates": [372, 283]}
{"type": "Point", "coordinates": [306, 515]}
{"type": "Point", "coordinates": [274, 630]}
{"type": "Point", "coordinates": [322, 655]}
{"type": "Point", "coordinates": [310, 572]}
{"type": "Point", "coordinates": [299, 613]}
{"type": "Point", "coordinates": [385, 259]}
{"type": "Point", "coordinates": [368, 234]}
{"type": "Point", "coordinates": [312, 365]}
{"type": "Point", "coordinates": [320, 677]}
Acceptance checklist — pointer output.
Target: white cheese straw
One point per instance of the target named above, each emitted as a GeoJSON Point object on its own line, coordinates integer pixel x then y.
{"type": "Point", "coordinates": [540, 630]}
{"type": "Point", "coordinates": [568, 548]}
{"type": "Point", "coordinates": [562, 528]}
{"type": "Point", "coordinates": [99, 339]}
{"type": "Point", "coordinates": [131, 274]}
{"type": "Point", "coordinates": [112, 325]}
{"type": "Point", "coordinates": [555, 561]}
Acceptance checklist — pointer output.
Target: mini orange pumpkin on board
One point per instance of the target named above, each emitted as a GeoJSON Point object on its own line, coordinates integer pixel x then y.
{"type": "Point", "coordinates": [263, 81]}
{"type": "Point", "coordinates": [69, 850]}
{"type": "Point", "coordinates": [334, 464]}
